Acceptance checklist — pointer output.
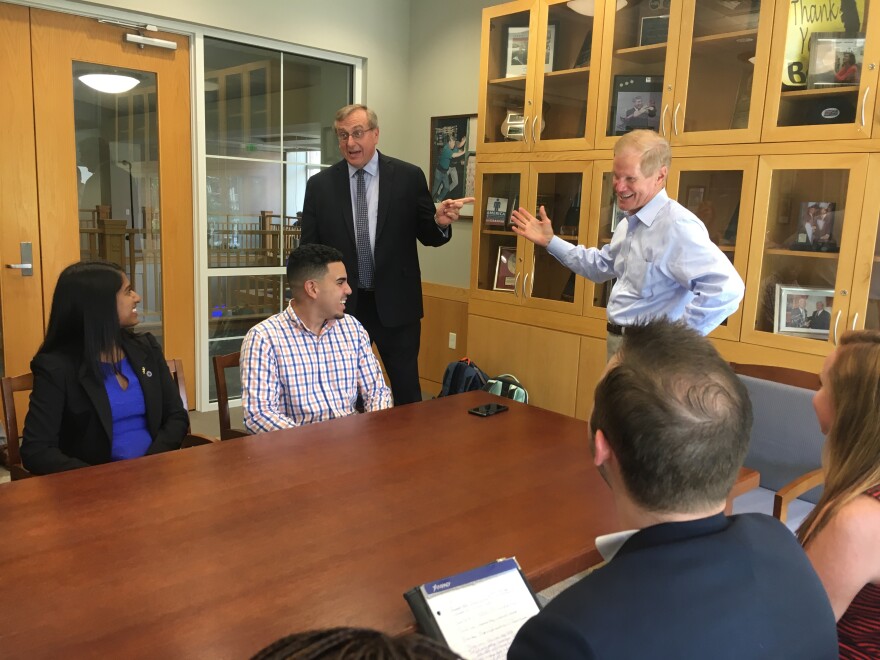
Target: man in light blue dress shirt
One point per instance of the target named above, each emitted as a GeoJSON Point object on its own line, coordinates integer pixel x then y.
{"type": "Point", "coordinates": [662, 257]}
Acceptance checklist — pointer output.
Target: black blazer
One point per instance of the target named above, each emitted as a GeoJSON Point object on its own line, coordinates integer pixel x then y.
{"type": "Point", "coordinates": [69, 423]}
{"type": "Point", "coordinates": [406, 213]}
{"type": "Point", "coordinates": [720, 588]}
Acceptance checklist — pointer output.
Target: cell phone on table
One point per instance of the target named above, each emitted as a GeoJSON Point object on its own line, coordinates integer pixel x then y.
{"type": "Point", "coordinates": [488, 410]}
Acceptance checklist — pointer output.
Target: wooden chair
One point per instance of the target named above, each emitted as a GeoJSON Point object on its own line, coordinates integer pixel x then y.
{"type": "Point", "coordinates": [9, 385]}
{"type": "Point", "coordinates": [788, 455]}
{"type": "Point", "coordinates": [221, 364]}
{"type": "Point", "coordinates": [175, 366]}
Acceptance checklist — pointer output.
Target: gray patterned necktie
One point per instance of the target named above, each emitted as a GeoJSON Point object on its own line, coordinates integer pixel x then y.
{"type": "Point", "coordinates": [362, 226]}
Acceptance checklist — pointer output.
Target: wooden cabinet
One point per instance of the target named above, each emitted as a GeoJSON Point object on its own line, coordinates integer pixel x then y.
{"type": "Point", "coordinates": [814, 93]}
{"type": "Point", "coordinates": [804, 244]}
{"type": "Point", "coordinates": [694, 71]}
{"type": "Point", "coordinates": [538, 79]}
{"type": "Point", "coordinates": [786, 198]}
{"type": "Point", "coordinates": [507, 268]}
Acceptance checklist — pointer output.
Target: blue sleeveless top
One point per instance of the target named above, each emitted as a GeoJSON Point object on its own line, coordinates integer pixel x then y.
{"type": "Point", "coordinates": [131, 437]}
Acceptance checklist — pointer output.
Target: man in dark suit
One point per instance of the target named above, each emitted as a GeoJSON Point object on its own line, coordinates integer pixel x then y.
{"type": "Point", "coordinates": [373, 208]}
{"type": "Point", "coordinates": [821, 318]}
{"type": "Point", "coordinates": [669, 432]}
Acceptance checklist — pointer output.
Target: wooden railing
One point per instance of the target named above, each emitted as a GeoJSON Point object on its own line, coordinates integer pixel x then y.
{"type": "Point", "coordinates": [265, 242]}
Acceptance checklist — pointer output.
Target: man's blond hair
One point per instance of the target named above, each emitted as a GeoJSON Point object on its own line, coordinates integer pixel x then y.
{"type": "Point", "coordinates": [653, 149]}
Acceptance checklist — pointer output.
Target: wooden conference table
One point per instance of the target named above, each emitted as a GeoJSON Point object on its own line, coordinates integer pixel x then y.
{"type": "Point", "coordinates": [216, 551]}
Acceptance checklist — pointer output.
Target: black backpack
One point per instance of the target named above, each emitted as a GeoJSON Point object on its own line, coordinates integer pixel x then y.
{"type": "Point", "coordinates": [463, 376]}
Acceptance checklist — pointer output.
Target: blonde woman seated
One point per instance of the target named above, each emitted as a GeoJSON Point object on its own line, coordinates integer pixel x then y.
{"type": "Point", "coordinates": [842, 534]}
{"type": "Point", "coordinates": [101, 392]}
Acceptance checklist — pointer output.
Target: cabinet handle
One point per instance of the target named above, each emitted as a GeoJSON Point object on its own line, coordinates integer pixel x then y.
{"type": "Point", "coordinates": [526, 129]}
{"type": "Point", "coordinates": [534, 121]}
{"type": "Point", "coordinates": [516, 293]}
{"type": "Point", "coordinates": [836, 320]}
{"type": "Point", "coordinates": [864, 102]}
{"type": "Point", "coordinates": [663, 120]}
{"type": "Point", "coordinates": [855, 320]}
{"type": "Point", "coordinates": [525, 285]}
{"type": "Point", "coordinates": [675, 118]}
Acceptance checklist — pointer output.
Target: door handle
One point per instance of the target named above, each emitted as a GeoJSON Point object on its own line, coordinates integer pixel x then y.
{"type": "Point", "coordinates": [27, 260]}
{"type": "Point", "coordinates": [534, 121]}
{"type": "Point", "coordinates": [836, 321]}
{"type": "Point", "coordinates": [855, 320]}
{"type": "Point", "coordinates": [663, 120]}
{"type": "Point", "coordinates": [675, 119]}
{"type": "Point", "coordinates": [526, 286]}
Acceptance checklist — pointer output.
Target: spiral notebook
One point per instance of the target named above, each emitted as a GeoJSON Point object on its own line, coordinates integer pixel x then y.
{"type": "Point", "coordinates": [476, 613]}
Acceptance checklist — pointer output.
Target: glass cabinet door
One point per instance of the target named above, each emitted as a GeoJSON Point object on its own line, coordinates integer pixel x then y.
{"type": "Point", "coordinates": [497, 266]}
{"type": "Point", "coordinates": [722, 72]}
{"type": "Point", "coordinates": [604, 218]}
{"type": "Point", "coordinates": [560, 118]}
{"type": "Point", "coordinates": [865, 304]}
{"type": "Point", "coordinates": [720, 192]}
{"type": "Point", "coordinates": [826, 85]}
{"type": "Point", "coordinates": [638, 79]}
{"type": "Point", "coordinates": [560, 188]}
{"type": "Point", "coordinates": [507, 108]}
{"type": "Point", "coordinates": [803, 249]}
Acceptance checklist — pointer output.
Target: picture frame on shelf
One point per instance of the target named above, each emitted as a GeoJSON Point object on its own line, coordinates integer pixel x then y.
{"type": "Point", "coordinates": [505, 269]}
{"type": "Point", "coordinates": [694, 198]}
{"type": "Point", "coordinates": [653, 30]}
{"type": "Point", "coordinates": [452, 139]}
{"type": "Point", "coordinates": [550, 48]}
{"type": "Point", "coordinates": [815, 230]}
{"type": "Point", "coordinates": [803, 311]}
{"type": "Point", "coordinates": [584, 54]}
{"type": "Point", "coordinates": [635, 104]}
{"type": "Point", "coordinates": [516, 56]}
{"type": "Point", "coordinates": [517, 53]}
{"type": "Point", "coordinates": [835, 60]}
{"type": "Point", "coordinates": [496, 211]}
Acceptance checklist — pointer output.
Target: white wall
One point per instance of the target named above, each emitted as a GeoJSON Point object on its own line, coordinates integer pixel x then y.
{"type": "Point", "coordinates": [422, 60]}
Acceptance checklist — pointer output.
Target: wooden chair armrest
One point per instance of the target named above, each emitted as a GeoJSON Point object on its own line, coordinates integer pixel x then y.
{"type": "Point", "coordinates": [16, 472]}
{"type": "Point", "coordinates": [233, 433]}
{"type": "Point", "coordinates": [794, 489]}
{"type": "Point", "coordinates": [196, 440]}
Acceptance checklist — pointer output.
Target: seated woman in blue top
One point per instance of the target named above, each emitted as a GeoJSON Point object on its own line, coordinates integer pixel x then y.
{"type": "Point", "coordinates": [101, 392]}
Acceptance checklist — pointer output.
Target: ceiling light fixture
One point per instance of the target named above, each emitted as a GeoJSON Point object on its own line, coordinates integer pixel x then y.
{"type": "Point", "coordinates": [588, 7]}
{"type": "Point", "coordinates": [109, 83]}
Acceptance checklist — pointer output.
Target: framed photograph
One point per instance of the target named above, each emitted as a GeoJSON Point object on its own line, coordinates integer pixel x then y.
{"type": "Point", "coordinates": [496, 211]}
{"type": "Point", "coordinates": [835, 60]}
{"type": "Point", "coordinates": [505, 269]}
{"type": "Point", "coordinates": [550, 48]}
{"type": "Point", "coordinates": [694, 198]}
{"type": "Point", "coordinates": [803, 311]}
{"type": "Point", "coordinates": [452, 140]}
{"type": "Point", "coordinates": [517, 55]}
{"type": "Point", "coordinates": [815, 230]}
{"type": "Point", "coordinates": [653, 30]}
{"type": "Point", "coordinates": [635, 104]}
{"type": "Point", "coordinates": [583, 56]}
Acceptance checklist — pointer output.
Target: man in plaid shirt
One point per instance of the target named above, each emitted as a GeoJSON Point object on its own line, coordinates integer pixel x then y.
{"type": "Point", "coordinates": [310, 362]}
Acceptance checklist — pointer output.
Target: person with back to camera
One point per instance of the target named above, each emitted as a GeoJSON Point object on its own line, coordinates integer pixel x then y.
{"type": "Point", "coordinates": [842, 533]}
{"type": "Point", "coordinates": [101, 391]}
{"type": "Point", "coordinates": [669, 432]}
{"type": "Point", "coordinates": [665, 264]}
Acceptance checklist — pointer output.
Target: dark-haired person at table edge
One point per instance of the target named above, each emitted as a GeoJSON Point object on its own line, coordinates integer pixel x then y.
{"type": "Point", "coordinates": [101, 391]}
{"type": "Point", "coordinates": [669, 431]}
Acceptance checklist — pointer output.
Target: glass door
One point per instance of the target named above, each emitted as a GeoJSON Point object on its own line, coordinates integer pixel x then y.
{"type": "Point", "coordinates": [803, 249]}
{"type": "Point", "coordinates": [98, 151]}
{"type": "Point", "coordinates": [722, 72]}
{"type": "Point", "coordinates": [721, 193]}
{"type": "Point", "coordinates": [826, 85]}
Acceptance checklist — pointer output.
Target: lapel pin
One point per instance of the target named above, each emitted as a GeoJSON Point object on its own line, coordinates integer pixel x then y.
{"type": "Point", "coordinates": [149, 374]}
{"type": "Point", "coordinates": [143, 370]}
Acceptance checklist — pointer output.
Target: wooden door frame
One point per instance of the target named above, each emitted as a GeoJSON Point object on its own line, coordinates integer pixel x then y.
{"type": "Point", "coordinates": [58, 39]}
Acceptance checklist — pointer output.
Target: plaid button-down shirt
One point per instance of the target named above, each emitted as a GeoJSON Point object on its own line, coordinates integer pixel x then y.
{"type": "Point", "coordinates": [290, 376]}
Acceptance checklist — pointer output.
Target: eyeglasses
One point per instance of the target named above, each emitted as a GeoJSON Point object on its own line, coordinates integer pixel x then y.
{"type": "Point", "coordinates": [357, 134]}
